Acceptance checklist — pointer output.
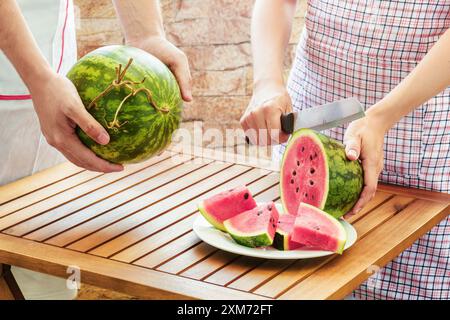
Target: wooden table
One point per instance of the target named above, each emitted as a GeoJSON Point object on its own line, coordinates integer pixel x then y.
{"type": "Point", "coordinates": [132, 232]}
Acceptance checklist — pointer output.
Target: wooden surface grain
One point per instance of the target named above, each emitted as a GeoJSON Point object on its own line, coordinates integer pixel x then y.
{"type": "Point", "coordinates": [132, 231]}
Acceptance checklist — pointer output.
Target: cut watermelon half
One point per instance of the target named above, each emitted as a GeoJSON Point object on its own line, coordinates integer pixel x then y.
{"type": "Point", "coordinates": [283, 234]}
{"type": "Point", "coordinates": [226, 205]}
{"type": "Point", "coordinates": [315, 170]}
{"type": "Point", "coordinates": [316, 228]}
{"type": "Point", "coordinates": [255, 227]}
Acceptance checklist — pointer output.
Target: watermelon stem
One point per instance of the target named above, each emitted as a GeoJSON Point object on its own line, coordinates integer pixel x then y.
{"type": "Point", "coordinates": [130, 85]}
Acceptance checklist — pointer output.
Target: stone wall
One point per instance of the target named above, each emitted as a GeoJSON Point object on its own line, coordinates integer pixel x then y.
{"type": "Point", "coordinates": [215, 35]}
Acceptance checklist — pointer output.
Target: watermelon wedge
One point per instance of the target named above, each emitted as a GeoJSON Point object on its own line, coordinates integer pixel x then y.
{"type": "Point", "coordinates": [316, 228]}
{"type": "Point", "coordinates": [226, 205]}
{"type": "Point", "coordinates": [315, 170]}
{"type": "Point", "coordinates": [283, 234]}
{"type": "Point", "coordinates": [255, 227]}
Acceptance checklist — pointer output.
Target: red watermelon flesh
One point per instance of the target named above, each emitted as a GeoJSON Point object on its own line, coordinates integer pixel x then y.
{"type": "Point", "coordinates": [315, 228]}
{"type": "Point", "coordinates": [255, 227]}
{"type": "Point", "coordinates": [226, 205]}
{"type": "Point", "coordinates": [283, 235]}
{"type": "Point", "coordinates": [304, 175]}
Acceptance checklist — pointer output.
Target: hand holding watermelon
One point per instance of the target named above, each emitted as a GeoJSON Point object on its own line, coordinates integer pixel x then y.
{"type": "Point", "coordinates": [60, 110]}
{"type": "Point", "coordinates": [172, 57]}
{"type": "Point", "coordinates": [364, 139]}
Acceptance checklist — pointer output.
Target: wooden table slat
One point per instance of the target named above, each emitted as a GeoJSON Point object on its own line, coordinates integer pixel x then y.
{"type": "Point", "coordinates": [187, 258]}
{"type": "Point", "coordinates": [169, 251]}
{"type": "Point", "coordinates": [64, 197]}
{"type": "Point", "coordinates": [44, 225]}
{"type": "Point", "coordinates": [62, 223]}
{"type": "Point", "coordinates": [48, 191]}
{"type": "Point", "coordinates": [37, 181]}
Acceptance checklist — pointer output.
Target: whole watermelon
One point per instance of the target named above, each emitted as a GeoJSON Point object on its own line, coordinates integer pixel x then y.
{"type": "Point", "coordinates": [134, 96]}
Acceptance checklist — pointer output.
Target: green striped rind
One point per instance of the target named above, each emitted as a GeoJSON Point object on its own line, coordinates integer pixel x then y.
{"type": "Point", "coordinates": [345, 177]}
{"type": "Point", "coordinates": [209, 217]}
{"type": "Point", "coordinates": [145, 130]}
{"type": "Point", "coordinates": [256, 240]}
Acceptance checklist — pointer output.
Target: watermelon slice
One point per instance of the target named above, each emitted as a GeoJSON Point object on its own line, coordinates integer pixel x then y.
{"type": "Point", "coordinates": [283, 235]}
{"type": "Point", "coordinates": [316, 228]}
{"type": "Point", "coordinates": [315, 170]}
{"type": "Point", "coordinates": [255, 227]}
{"type": "Point", "coordinates": [225, 205]}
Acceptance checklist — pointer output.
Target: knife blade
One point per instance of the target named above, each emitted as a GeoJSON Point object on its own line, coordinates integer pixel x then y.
{"type": "Point", "coordinates": [323, 117]}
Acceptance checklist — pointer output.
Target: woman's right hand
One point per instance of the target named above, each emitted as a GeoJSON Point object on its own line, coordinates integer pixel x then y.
{"type": "Point", "coordinates": [261, 119]}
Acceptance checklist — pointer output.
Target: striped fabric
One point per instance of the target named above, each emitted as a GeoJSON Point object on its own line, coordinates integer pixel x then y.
{"type": "Point", "coordinates": [363, 49]}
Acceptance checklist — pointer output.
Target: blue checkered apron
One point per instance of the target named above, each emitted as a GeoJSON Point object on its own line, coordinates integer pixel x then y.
{"type": "Point", "coordinates": [363, 49]}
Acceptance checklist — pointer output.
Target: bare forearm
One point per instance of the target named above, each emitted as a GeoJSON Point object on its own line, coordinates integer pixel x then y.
{"type": "Point", "coordinates": [271, 29]}
{"type": "Point", "coordinates": [431, 76]}
{"type": "Point", "coordinates": [140, 19]}
{"type": "Point", "coordinates": [17, 43]}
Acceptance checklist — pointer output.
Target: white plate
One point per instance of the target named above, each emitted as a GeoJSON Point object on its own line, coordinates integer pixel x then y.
{"type": "Point", "coordinates": [222, 240]}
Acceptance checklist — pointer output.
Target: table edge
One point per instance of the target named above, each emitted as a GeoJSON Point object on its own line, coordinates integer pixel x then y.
{"type": "Point", "coordinates": [109, 274]}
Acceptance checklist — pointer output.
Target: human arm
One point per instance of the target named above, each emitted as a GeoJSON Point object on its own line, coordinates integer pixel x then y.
{"type": "Point", "coordinates": [54, 97]}
{"type": "Point", "coordinates": [142, 24]}
{"type": "Point", "coordinates": [271, 29]}
{"type": "Point", "coordinates": [364, 138]}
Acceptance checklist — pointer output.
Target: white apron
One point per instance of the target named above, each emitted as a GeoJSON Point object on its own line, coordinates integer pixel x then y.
{"type": "Point", "coordinates": [23, 149]}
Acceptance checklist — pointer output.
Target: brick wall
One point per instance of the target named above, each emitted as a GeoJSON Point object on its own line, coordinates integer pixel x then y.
{"type": "Point", "coordinates": [215, 35]}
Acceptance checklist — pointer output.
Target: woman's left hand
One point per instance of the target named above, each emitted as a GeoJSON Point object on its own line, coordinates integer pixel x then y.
{"type": "Point", "coordinates": [364, 139]}
{"type": "Point", "coordinates": [172, 57]}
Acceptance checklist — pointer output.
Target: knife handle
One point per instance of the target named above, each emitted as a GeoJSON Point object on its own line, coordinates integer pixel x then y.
{"type": "Point", "coordinates": [287, 122]}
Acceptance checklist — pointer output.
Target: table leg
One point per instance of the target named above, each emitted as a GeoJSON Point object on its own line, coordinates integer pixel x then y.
{"type": "Point", "coordinates": [9, 289]}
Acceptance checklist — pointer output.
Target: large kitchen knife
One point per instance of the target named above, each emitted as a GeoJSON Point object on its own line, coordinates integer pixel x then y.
{"type": "Point", "coordinates": [323, 117]}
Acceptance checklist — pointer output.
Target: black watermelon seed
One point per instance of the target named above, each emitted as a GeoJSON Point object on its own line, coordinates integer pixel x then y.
{"type": "Point", "coordinates": [306, 195]}
{"type": "Point", "coordinates": [298, 163]}
{"type": "Point", "coordinates": [292, 181]}
{"type": "Point", "coordinates": [246, 196]}
{"type": "Point", "coordinates": [312, 170]}
{"type": "Point", "coordinates": [310, 157]}
{"type": "Point", "coordinates": [296, 190]}
{"type": "Point", "coordinates": [311, 182]}
{"type": "Point", "coordinates": [269, 207]}
{"type": "Point", "coordinates": [294, 173]}
{"type": "Point", "coordinates": [303, 149]}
